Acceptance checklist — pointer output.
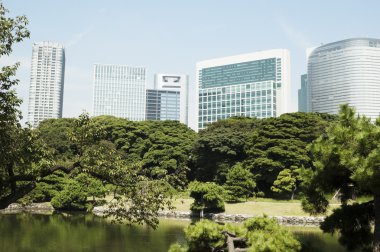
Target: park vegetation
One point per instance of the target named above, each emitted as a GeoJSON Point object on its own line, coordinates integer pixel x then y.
{"type": "Point", "coordinates": [137, 167]}
{"type": "Point", "coordinates": [259, 234]}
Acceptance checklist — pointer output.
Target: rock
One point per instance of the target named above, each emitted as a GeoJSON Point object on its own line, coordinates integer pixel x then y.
{"type": "Point", "coordinates": [38, 208]}
{"type": "Point", "coordinates": [100, 210]}
{"type": "Point", "coordinates": [15, 206]}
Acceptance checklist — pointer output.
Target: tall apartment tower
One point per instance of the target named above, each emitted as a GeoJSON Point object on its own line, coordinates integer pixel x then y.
{"type": "Point", "coordinates": [119, 91]}
{"type": "Point", "coordinates": [346, 71]}
{"type": "Point", "coordinates": [46, 82]}
{"type": "Point", "coordinates": [252, 85]}
{"type": "Point", "coordinates": [169, 98]}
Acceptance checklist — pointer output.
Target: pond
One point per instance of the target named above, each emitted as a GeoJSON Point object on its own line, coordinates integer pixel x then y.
{"type": "Point", "coordinates": [85, 232]}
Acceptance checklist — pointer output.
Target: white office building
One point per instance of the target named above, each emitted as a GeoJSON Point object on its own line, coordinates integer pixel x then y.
{"type": "Point", "coordinates": [119, 91]}
{"type": "Point", "coordinates": [253, 85]}
{"type": "Point", "coordinates": [346, 71]}
{"type": "Point", "coordinates": [169, 98]}
{"type": "Point", "coordinates": [46, 82]}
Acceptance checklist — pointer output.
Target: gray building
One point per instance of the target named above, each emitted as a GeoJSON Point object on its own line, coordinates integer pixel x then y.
{"type": "Point", "coordinates": [169, 98]}
{"type": "Point", "coordinates": [46, 82]}
{"type": "Point", "coordinates": [346, 71]}
{"type": "Point", "coordinates": [162, 105]}
{"type": "Point", "coordinates": [302, 94]}
{"type": "Point", "coordinates": [119, 91]}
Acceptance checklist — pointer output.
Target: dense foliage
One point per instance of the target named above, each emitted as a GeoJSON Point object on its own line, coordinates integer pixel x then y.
{"type": "Point", "coordinates": [220, 146]}
{"type": "Point", "coordinates": [265, 147]}
{"type": "Point", "coordinates": [347, 158]}
{"type": "Point", "coordinates": [280, 143]}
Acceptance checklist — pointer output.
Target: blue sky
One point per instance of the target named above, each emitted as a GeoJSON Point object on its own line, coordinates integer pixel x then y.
{"type": "Point", "coordinates": [171, 36]}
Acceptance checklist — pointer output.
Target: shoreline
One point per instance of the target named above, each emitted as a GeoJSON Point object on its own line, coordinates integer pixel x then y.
{"type": "Point", "coordinates": [46, 208]}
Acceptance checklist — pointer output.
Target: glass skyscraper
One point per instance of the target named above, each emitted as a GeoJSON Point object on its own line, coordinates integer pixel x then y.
{"type": "Point", "coordinates": [46, 82]}
{"type": "Point", "coordinates": [119, 91]}
{"type": "Point", "coordinates": [252, 85]}
{"type": "Point", "coordinates": [162, 105]}
{"type": "Point", "coordinates": [346, 71]}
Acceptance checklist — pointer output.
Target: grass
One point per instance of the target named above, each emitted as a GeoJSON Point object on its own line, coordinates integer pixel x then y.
{"type": "Point", "coordinates": [270, 207]}
{"type": "Point", "coordinates": [257, 206]}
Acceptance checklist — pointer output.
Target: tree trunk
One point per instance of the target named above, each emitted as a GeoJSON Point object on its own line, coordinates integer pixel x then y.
{"type": "Point", "coordinates": [293, 192]}
{"type": "Point", "coordinates": [11, 174]}
{"type": "Point", "coordinates": [230, 244]}
{"type": "Point", "coordinates": [336, 194]}
{"type": "Point", "coordinates": [376, 236]}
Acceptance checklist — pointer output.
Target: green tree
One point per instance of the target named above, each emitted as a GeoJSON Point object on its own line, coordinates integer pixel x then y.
{"type": "Point", "coordinates": [347, 156]}
{"type": "Point", "coordinates": [280, 143]}
{"type": "Point", "coordinates": [163, 147]}
{"type": "Point", "coordinates": [91, 186]}
{"type": "Point", "coordinates": [287, 182]}
{"type": "Point", "coordinates": [46, 188]}
{"type": "Point", "coordinates": [55, 134]}
{"type": "Point", "coordinates": [72, 197]}
{"type": "Point", "coordinates": [208, 197]}
{"type": "Point", "coordinates": [240, 183]}
{"type": "Point", "coordinates": [22, 151]}
{"type": "Point", "coordinates": [219, 147]}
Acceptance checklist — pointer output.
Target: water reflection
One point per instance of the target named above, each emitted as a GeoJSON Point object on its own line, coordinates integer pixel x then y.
{"type": "Point", "coordinates": [81, 232]}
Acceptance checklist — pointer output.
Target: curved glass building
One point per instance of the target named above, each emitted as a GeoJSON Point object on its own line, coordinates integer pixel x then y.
{"type": "Point", "coordinates": [346, 71]}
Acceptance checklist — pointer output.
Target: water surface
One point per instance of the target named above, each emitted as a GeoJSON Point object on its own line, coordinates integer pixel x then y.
{"type": "Point", "coordinates": [85, 232]}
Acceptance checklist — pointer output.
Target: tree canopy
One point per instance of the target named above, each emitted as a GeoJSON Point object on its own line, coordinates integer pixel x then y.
{"type": "Point", "coordinates": [220, 146]}
{"type": "Point", "coordinates": [280, 143]}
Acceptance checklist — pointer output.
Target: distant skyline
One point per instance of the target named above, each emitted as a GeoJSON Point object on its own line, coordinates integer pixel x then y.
{"type": "Point", "coordinates": [171, 36]}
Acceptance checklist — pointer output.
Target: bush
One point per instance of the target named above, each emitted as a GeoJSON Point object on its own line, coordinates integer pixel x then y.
{"type": "Point", "coordinates": [265, 235]}
{"type": "Point", "coordinates": [207, 197]}
{"type": "Point", "coordinates": [177, 248]}
{"type": "Point", "coordinates": [72, 197]}
{"type": "Point", "coordinates": [46, 189]}
{"type": "Point", "coordinates": [259, 234]}
{"type": "Point", "coordinates": [204, 234]}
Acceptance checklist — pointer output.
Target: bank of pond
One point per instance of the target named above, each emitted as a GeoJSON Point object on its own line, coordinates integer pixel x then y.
{"type": "Point", "coordinates": [86, 232]}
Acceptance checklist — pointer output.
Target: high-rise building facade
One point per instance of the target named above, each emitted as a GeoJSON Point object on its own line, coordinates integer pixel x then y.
{"type": "Point", "coordinates": [170, 95]}
{"type": "Point", "coordinates": [302, 94]}
{"type": "Point", "coordinates": [346, 71]}
{"type": "Point", "coordinates": [119, 91]}
{"type": "Point", "coordinates": [162, 105]}
{"type": "Point", "coordinates": [46, 82]}
{"type": "Point", "coordinates": [252, 85]}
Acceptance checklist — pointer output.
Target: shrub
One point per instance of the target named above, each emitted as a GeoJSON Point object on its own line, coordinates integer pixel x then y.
{"type": "Point", "coordinates": [203, 235]}
{"type": "Point", "coordinates": [207, 197]}
{"type": "Point", "coordinates": [72, 197]}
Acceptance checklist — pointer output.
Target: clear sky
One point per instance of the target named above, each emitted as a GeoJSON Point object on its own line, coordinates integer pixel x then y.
{"type": "Point", "coordinates": [171, 36]}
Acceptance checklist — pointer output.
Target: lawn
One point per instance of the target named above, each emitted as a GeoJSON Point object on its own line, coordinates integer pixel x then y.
{"type": "Point", "coordinates": [256, 207]}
